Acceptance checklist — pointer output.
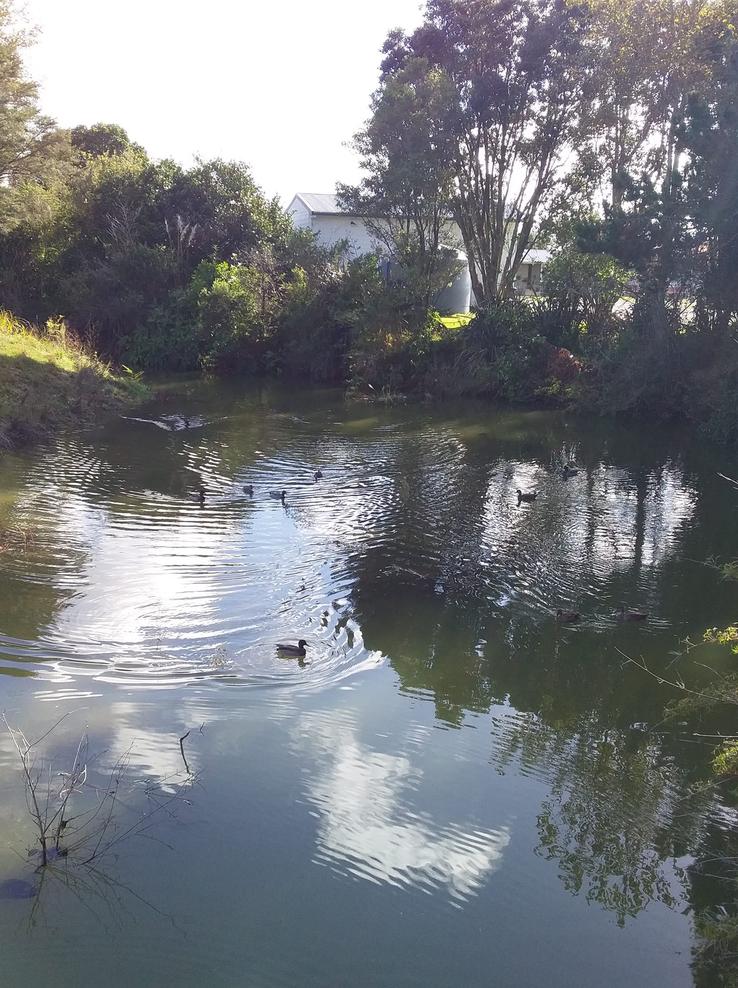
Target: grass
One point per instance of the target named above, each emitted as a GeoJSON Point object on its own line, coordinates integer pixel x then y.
{"type": "Point", "coordinates": [457, 321]}
{"type": "Point", "coordinates": [50, 381]}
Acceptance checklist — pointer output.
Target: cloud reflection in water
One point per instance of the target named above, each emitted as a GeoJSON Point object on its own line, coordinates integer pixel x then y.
{"type": "Point", "coordinates": [368, 828]}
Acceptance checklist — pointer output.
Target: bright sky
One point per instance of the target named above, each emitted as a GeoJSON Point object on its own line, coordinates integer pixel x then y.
{"type": "Point", "coordinates": [280, 84]}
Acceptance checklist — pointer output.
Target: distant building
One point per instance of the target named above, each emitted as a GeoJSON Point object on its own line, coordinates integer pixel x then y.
{"type": "Point", "coordinates": [321, 213]}
{"type": "Point", "coordinates": [529, 276]}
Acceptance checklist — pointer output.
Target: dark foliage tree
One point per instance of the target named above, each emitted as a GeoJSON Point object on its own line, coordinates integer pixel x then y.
{"type": "Point", "coordinates": [406, 196]}
{"type": "Point", "coordinates": [31, 145]}
{"type": "Point", "coordinates": [515, 78]}
{"type": "Point", "coordinates": [101, 138]}
{"type": "Point", "coordinates": [710, 138]}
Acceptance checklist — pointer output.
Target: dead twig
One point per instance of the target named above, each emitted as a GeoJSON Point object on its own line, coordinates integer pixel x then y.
{"type": "Point", "coordinates": [181, 748]}
{"type": "Point", "coordinates": [677, 684]}
{"type": "Point", "coordinates": [83, 833]}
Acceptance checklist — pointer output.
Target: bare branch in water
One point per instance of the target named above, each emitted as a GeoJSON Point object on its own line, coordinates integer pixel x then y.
{"type": "Point", "coordinates": [181, 748]}
{"type": "Point", "coordinates": [76, 819]}
{"type": "Point", "coordinates": [677, 684]}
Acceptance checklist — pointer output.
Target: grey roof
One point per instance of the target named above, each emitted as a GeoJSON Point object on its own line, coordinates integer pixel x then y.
{"type": "Point", "coordinates": [321, 202]}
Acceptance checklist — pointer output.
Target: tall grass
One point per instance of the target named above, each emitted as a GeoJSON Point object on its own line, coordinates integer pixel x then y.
{"type": "Point", "coordinates": [49, 380]}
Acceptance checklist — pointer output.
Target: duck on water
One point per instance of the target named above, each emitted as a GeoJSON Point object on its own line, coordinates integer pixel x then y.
{"type": "Point", "coordinates": [623, 615]}
{"type": "Point", "coordinates": [299, 649]}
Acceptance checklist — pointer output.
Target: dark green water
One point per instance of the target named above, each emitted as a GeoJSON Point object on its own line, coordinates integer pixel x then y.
{"type": "Point", "coordinates": [452, 790]}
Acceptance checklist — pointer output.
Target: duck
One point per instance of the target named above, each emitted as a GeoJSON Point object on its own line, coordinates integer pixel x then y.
{"type": "Point", "coordinates": [526, 496]}
{"type": "Point", "coordinates": [201, 494]}
{"type": "Point", "coordinates": [318, 475]}
{"type": "Point", "coordinates": [569, 471]}
{"type": "Point", "coordinates": [280, 495]}
{"type": "Point", "coordinates": [623, 615]}
{"type": "Point", "coordinates": [248, 489]}
{"type": "Point", "coordinates": [567, 617]}
{"type": "Point", "coordinates": [298, 649]}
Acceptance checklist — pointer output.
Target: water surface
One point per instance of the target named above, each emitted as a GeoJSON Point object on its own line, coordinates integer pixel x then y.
{"type": "Point", "coordinates": [451, 789]}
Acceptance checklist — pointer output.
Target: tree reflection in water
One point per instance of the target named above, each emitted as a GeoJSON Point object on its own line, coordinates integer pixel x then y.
{"type": "Point", "coordinates": [459, 598]}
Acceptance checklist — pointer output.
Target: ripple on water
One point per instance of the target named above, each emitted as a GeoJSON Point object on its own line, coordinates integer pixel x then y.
{"type": "Point", "coordinates": [161, 591]}
{"type": "Point", "coordinates": [367, 828]}
{"type": "Point", "coordinates": [145, 586]}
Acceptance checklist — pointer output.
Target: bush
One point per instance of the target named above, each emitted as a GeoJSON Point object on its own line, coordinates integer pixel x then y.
{"type": "Point", "coordinates": [581, 291]}
{"type": "Point", "coordinates": [314, 335]}
{"type": "Point", "coordinates": [498, 354]}
{"type": "Point", "coordinates": [234, 315]}
{"type": "Point", "coordinates": [168, 340]}
{"type": "Point", "coordinates": [711, 399]}
{"type": "Point", "coordinates": [347, 322]}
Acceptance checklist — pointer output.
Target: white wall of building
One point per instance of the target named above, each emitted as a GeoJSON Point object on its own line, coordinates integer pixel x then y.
{"type": "Point", "coordinates": [331, 228]}
{"type": "Point", "coordinates": [301, 215]}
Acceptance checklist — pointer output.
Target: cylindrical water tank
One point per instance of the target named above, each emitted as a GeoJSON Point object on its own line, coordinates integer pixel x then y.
{"type": "Point", "coordinates": [456, 297]}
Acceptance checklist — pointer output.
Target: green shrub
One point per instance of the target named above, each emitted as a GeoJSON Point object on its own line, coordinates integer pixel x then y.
{"type": "Point", "coordinates": [711, 399]}
{"type": "Point", "coordinates": [725, 761]}
{"type": "Point", "coordinates": [168, 340]}
{"type": "Point", "coordinates": [580, 292]}
{"type": "Point", "coordinates": [717, 950]}
{"type": "Point", "coordinates": [498, 354]}
{"type": "Point", "coordinates": [315, 330]}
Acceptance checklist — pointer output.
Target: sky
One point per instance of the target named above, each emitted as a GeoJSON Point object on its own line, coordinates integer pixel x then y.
{"type": "Point", "coordinates": [279, 84]}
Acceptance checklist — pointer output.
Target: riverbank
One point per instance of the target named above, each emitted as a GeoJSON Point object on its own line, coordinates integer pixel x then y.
{"type": "Point", "coordinates": [49, 381]}
{"type": "Point", "coordinates": [627, 376]}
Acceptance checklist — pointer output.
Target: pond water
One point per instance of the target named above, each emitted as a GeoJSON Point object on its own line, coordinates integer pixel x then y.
{"type": "Point", "coordinates": [451, 788]}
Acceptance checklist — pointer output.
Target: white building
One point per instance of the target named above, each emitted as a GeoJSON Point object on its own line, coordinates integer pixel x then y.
{"type": "Point", "coordinates": [321, 213]}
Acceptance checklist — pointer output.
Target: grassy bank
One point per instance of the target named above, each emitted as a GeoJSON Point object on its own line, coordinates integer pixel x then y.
{"type": "Point", "coordinates": [48, 381]}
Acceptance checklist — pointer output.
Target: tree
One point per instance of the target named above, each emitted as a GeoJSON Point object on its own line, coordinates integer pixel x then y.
{"type": "Point", "coordinates": [515, 79]}
{"type": "Point", "coordinates": [628, 46]}
{"type": "Point", "coordinates": [711, 140]}
{"type": "Point", "coordinates": [648, 66]}
{"type": "Point", "coordinates": [101, 138]}
{"type": "Point", "coordinates": [581, 292]}
{"type": "Point", "coordinates": [407, 193]}
{"type": "Point", "coordinates": [30, 143]}
{"type": "Point", "coordinates": [226, 205]}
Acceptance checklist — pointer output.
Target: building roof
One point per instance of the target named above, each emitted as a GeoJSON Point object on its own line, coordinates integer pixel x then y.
{"type": "Point", "coordinates": [326, 203]}
{"type": "Point", "coordinates": [537, 255]}
{"type": "Point", "coordinates": [320, 202]}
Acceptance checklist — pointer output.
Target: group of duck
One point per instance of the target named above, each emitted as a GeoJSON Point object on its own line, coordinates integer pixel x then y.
{"type": "Point", "coordinates": [298, 651]}
{"type": "Point", "coordinates": [201, 492]}
{"type": "Point", "coordinates": [570, 469]}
